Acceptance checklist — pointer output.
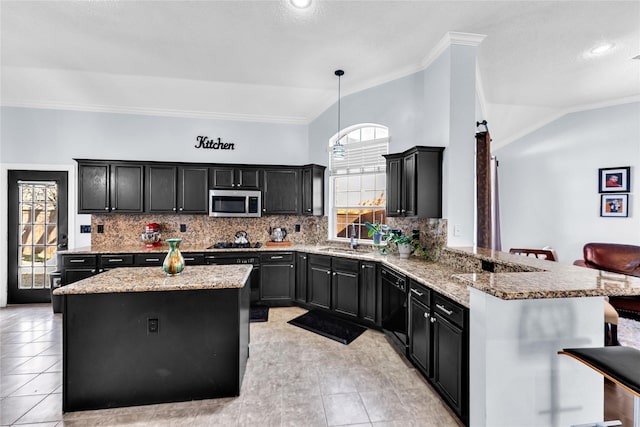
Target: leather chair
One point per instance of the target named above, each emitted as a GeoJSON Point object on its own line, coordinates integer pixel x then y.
{"type": "Point", "coordinates": [548, 254]}
{"type": "Point", "coordinates": [616, 258]}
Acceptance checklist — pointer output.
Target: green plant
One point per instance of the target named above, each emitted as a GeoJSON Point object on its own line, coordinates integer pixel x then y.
{"type": "Point", "coordinates": [396, 238]}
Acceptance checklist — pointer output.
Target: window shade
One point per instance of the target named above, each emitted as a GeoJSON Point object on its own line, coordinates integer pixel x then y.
{"type": "Point", "coordinates": [361, 157]}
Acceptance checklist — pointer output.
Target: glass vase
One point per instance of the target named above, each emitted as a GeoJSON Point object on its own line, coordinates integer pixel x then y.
{"type": "Point", "coordinates": [174, 262]}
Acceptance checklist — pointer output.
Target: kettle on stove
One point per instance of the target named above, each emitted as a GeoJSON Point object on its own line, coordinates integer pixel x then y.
{"type": "Point", "coordinates": [278, 234]}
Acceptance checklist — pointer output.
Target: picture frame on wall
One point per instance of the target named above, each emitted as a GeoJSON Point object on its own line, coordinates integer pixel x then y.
{"type": "Point", "coordinates": [614, 180]}
{"type": "Point", "coordinates": [615, 205]}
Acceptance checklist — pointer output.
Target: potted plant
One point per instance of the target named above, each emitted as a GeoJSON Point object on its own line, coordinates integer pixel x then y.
{"type": "Point", "coordinates": [407, 244]}
{"type": "Point", "coordinates": [380, 234]}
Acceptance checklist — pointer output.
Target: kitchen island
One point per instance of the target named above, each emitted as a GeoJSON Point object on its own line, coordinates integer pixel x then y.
{"type": "Point", "coordinates": [133, 336]}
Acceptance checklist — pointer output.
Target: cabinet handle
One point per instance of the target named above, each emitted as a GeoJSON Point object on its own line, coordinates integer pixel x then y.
{"type": "Point", "coordinates": [328, 272]}
{"type": "Point", "coordinates": [264, 209]}
{"type": "Point", "coordinates": [433, 319]}
{"type": "Point", "coordinates": [156, 259]}
{"type": "Point", "coordinates": [77, 260]}
{"type": "Point", "coordinates": [398, 211]}
{"type": "Point", "coordinates": [308, 209]}
{"type": "Point", "coordinates": [291, 266]}
{"type": "Point", "coordinates": [181, 209]}
{"type": "Point", "coordinates": [334, 273]}
{"type": "Point", "coordinates": [362, 267]}
{"type": "Point", "coordinates": [304, 257]}
{"type": "Point", "coordinates": [276, 257]}
{"type": "Point", "coordinates": [186, 259]}
{"type": "Point", "coordinates": [113, 209]}
{"type": "Point", "coordinates": [93, 271]}
{"type": "Point", "coordinates": [441, 307]}
{"type": "Point", "coordinates": [115, 260]}
{"type": "Point", "coordinates": [106, 208]}
{"type": "Point", "coordinates": [416, 292]}
{"type": "Point", "coordinates": [403, 211]}
{"type": "Point", "coordinates": [426, 315]}
{"type": "Point", "coordinates": [173, 209]}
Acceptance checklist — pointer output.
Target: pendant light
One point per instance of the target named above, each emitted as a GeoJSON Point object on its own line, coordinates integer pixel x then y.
{"type": "Point", "coordinates": [338, 149]}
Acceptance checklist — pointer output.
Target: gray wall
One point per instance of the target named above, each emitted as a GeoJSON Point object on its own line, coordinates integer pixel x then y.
{"type": "Point", "coordinates": [549, 182]}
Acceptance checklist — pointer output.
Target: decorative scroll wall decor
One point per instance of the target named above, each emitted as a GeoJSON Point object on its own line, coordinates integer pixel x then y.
{"type": "Point", "coordinates": [213, 144]}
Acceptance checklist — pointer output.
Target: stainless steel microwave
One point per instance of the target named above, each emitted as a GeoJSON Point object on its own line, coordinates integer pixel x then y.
{"type": "Point", "coordinates": [235, 203]}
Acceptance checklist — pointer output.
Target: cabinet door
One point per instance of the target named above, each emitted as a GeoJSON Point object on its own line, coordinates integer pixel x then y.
{"type": "Point", "coordinates": [319, 281]}
{"type": "Point", "coordinates": [276, 282]}
{"type": "Point", "coordinates": [428, 179]}
{"type": "Point", "coordinates": [394, 187]}
{"type": "Point", "coordinates": [368, 291]}
{"type": "Point", "coordinates": [222, 178]}
{"type": "Point", "coordinates": [420, 336]}
{"type": "Point", "coordinates": [281, 191]}
{"type": "Point", "coordinates": [161, 189]}
{"type": "Point", "coordinates": [313, 190]}
{"type": "Point", "coordinates": [448, 342]}
{"type": "Point", "coordinates": [93, 188]}
{"type": "Point", "coordinates": [70, 275]}
{"type": "Point", "coordinates": [248, 178]}
{"type": "Point", "coordinates": [408, 207]}
{"type": "Point", "coordinates": [345, 282]}
{"type": "Point", "coordinates": [193, 189]}
{"type": "Point", "coordinates": [301, 278]}
{"type": "Point", "coordinates": [126, 188]}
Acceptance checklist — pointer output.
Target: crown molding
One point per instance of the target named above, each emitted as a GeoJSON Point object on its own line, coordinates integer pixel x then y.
{"type": "Point", "coordinates": [163, 112]}
{"type": "Point", "coordinates": [451, 38]}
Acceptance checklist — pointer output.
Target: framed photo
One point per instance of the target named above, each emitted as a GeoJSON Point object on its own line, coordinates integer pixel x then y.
{"type": "Point", "coordinates": [614, 180]}
{"type": "Point", "coordinates": [614, 205]}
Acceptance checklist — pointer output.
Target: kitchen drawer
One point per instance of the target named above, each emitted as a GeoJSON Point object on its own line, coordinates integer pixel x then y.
{"type": "Point", "coordinates": [192, 258]}
{"type": "Point", "coordinates": [277, 257]}
{"type": "Point", "coordinates": [420, 293]}
{"type": "Point", "coordinates": [79, 261]}
{"type": "Point", "coordinates": [449, 310]}
{"type": "Point", "coordinates": [119, 260]}
{"type": "Point", "coordinates": [146, 260]}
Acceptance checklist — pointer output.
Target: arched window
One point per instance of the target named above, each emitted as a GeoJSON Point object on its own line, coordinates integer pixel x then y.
{"type": "Point", "coordinates": [357, 180]}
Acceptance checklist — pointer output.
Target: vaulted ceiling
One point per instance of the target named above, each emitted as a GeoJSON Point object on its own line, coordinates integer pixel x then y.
{"type": "Point", "coordinates": [269, 61]}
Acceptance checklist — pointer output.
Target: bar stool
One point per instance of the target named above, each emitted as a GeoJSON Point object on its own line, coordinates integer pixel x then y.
{"type": "Point", "coordinates": [619, 364]}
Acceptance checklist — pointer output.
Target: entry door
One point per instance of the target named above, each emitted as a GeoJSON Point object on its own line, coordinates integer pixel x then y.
{"type": "Point", "coordinates": [37, 228]}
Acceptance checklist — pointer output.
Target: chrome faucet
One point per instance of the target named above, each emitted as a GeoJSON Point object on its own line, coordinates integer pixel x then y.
{"type": "Point", "coordinates": [354, 240]}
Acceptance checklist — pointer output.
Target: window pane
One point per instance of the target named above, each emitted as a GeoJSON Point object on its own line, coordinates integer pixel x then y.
{"type": "Point", "coordinates": [354, 136]}
{"type": "Point", "coordinates": [382, 133]}
{"type": "Point", "coordinates": [368, 133]}
{"type": "Point", "coordinates": [39, 193]}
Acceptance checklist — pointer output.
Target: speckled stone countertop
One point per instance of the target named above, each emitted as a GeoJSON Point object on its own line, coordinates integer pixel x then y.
{"type": "Point", "coordinates": [514, 276]}
{"type": "Point", "coordinates": [154, 279]}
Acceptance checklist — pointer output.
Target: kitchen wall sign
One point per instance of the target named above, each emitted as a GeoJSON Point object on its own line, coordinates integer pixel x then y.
{"type": "Point", "coordinates": [213, 144]}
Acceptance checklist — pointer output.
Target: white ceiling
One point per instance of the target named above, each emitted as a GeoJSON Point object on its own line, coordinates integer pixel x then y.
{"type": "Point", "coordinates": [265, 60]}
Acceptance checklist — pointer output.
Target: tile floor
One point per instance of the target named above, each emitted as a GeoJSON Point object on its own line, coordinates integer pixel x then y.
{"type": "Point", "coordinates": [293, 378]}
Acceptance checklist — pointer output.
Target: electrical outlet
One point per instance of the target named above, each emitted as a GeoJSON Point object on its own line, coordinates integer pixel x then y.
{"type": "Point", "coordinates": [183, 228]}
{"type": "Point", "coordinates": [457, 230]}
{"type": "Point", "coordinates": [85, 229]}
{"type": "Point", "coordinates": [297, 228]}
{"type": "Point", "coordinates": [100, 228]}
{"type": "Point", "coordinates": [153, 326]}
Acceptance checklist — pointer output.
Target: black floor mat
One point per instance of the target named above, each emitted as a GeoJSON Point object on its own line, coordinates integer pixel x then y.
{"type": "Point", "coordinates": [328, 326]}
{"type": "Point", "coordinates": [259, 313]}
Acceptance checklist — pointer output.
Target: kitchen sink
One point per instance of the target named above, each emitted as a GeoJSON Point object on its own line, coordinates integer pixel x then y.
{"type": "Point", "coordinates": [364, 250]}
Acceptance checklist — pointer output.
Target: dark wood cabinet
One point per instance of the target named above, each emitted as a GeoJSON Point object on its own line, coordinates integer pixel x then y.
{"type": "Point", "coordinates": [177, 189]}
{"type": "Point", "coordinates": [319, 281]}
{"type": "Point", "coordinates": [236, 178]}
{"type": "Point", "coordinates": [369, 292]}
{"type": "Point", "coordinates": [301, 277]}
{"type": "Point", "coordinates": [281, 192]}
{"type": "Point", "coordinates": [110, 187]}
{"type": "Point", "coordinates": [414, 183]}
{"type": "Point", "coordinates": [345, 286]}
{"type": "Point", "coordinates": [439, 345]}
{"type": "Point", "coordinates": [77, 267]}
{"type": "Point", "coordinates": [277, 277]}
{"type": "Point", "coordinates": [312, 190]}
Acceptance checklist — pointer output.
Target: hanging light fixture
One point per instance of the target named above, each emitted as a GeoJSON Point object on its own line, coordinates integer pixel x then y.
{"type": "Point", "coordinates": [338, 148]}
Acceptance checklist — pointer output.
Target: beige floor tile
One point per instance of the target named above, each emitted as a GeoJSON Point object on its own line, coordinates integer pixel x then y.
{"type": "Point", "coordinates": [47, 410]}
{"type": "Point", "coordinates": [344, 409]}
{"type": "Point", "coordinates": [11, 383]}
{"type": "Point", "coordinates": [13, 408]}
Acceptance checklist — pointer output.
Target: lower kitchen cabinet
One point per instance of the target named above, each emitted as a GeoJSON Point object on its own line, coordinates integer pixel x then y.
{"type": "Point", "coordinates": [277, 278]}
{"type": "Point", "coordinates": [301, 278]}
{"type": "Point", "coordinates": [77, 267]}
{"type": "Point", "coordinates": [369, 292]}
{"type": "Point", "coordinates": [345, 286]}
{"type": "Point", "coordinates": [439, 345]}
{"type": "Point", "coordinates": [319, 281]}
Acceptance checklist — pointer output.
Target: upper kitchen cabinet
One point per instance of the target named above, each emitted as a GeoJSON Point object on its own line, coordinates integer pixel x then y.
{"type": "Point", "coordinates": [414, 183]}
{"type": "Point", "coordinates": [110, 187]}
{"type": "Point", "coordinates": [237, 178]}
{"type": "Point", "coordinates": [177, 189]}
{"type": "Point", "coordinates": [281, 191]}
{"type": "Point", "coordinates": [313, 190]}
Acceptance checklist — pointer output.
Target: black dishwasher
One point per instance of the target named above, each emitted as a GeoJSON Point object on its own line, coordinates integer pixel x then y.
{"type": "Point", "coordinates": [240, 258]}
{"type": "Point", "coordinates": [394, 307]}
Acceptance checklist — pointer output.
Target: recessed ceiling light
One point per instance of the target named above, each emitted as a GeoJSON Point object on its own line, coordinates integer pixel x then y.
{"type": "Point", "coordinates": [601, 48]}
{"type": "Point", "coordinates": [301, 4]}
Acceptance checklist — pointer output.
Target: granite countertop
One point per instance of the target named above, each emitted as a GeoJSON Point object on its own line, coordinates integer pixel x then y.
{"type": "Point", "coordinates": [154, 279]}
{"type": "Point", "coordinates": [533, 278]}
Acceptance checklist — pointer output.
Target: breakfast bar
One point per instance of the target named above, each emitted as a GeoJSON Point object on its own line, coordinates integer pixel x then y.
{"type": "Point", "coordinates": [134, 336]}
